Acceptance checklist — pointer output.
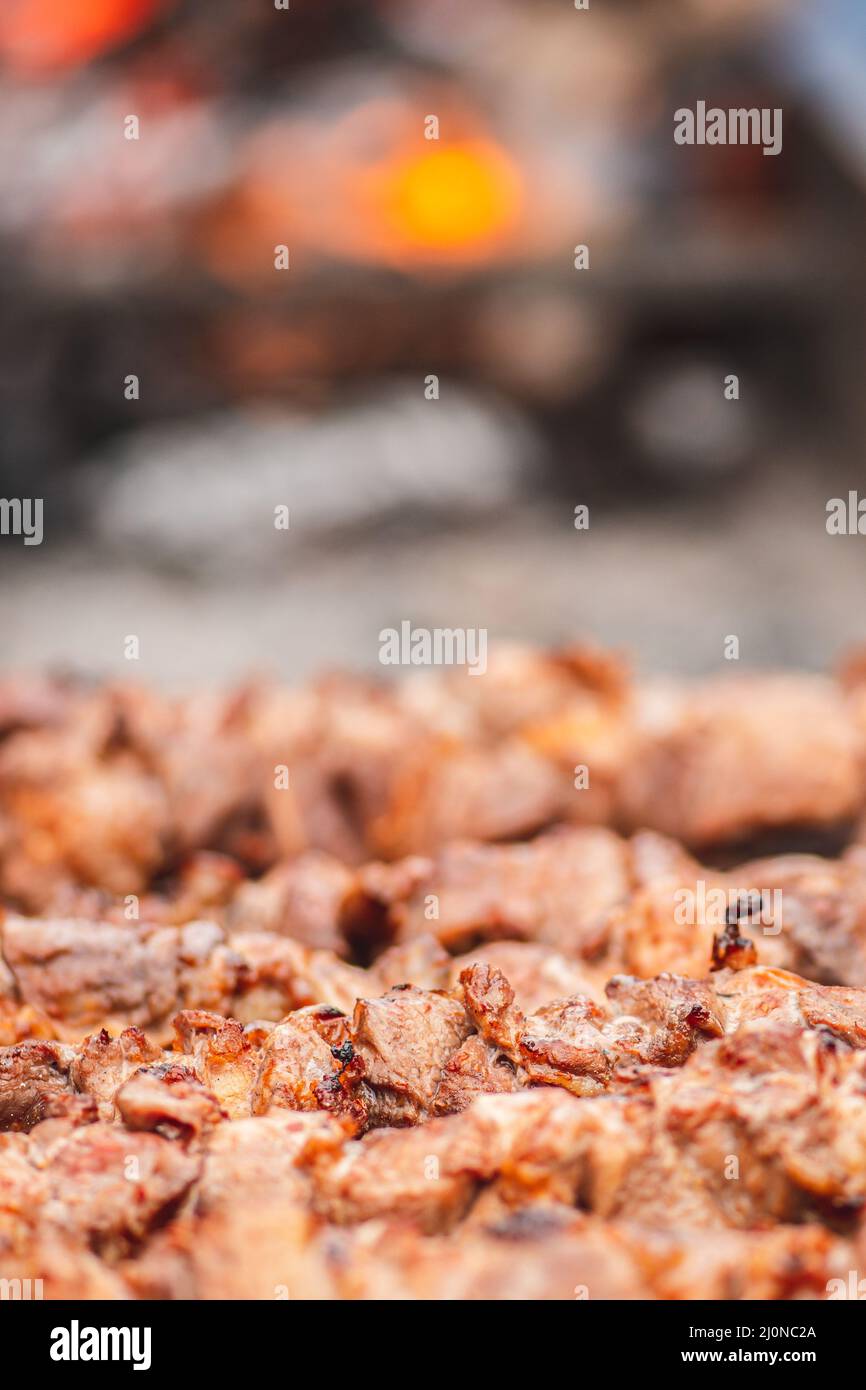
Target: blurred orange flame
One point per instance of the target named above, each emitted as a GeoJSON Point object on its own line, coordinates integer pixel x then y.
{"type": "Point", "coordinates": [446, 199]}
{"type": "Point", "coordinates": [43, 36]}
{"type": "Point", "coordinates": [367, 187]}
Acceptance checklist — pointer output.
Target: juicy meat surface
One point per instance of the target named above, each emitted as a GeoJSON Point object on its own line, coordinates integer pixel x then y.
{"type": "Point", "coordinates": [495, 995]}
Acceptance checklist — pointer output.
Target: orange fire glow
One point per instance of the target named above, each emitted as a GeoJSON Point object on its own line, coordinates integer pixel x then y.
{"type": "Point", "coordinates": [446, 201]}
{"type": "Point", "coordinates": [43, 36]}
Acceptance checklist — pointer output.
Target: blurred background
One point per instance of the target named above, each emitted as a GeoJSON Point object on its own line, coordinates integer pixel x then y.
{"type": "Point", "coordinates": [412, 258]}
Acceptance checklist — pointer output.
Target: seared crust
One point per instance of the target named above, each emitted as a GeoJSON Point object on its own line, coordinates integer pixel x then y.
{"type": "Point", "coordinates": [431, 1017]}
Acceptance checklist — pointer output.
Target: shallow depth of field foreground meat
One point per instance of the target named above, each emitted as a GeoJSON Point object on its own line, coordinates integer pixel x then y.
{"type": "Point", "coordinates": [549, 984]}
